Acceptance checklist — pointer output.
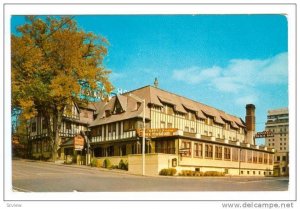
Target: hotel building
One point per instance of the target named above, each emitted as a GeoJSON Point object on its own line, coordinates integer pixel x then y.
{"type": "Point", "coordinates": [180, 133]}
{"type": "Point", "coordinates": [278, 123]}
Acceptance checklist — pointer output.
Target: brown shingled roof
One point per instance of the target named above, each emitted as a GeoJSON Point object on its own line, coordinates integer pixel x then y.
{"type": "Point", "coordinates": [158, 97]}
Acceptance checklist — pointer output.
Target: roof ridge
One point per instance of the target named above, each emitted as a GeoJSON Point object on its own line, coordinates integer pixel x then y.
{"type": "Point", "coordinates": [152, 87]}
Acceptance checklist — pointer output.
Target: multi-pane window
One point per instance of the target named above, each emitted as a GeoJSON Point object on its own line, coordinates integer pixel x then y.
{"type": "Point", "coordinates": [227, 153]}
{"type": "Point", "coordinates": [129, 125]}
{"type": "Point", "coordinates": [243, 155]}
{"type": "Point", "coordinates": [170, 110]}
{"type": "Point", "coordinates": [218, 152]}
{"type": "Point", "coordinates": [198, 149]}
{"type": "Point", "coordinates": [208, 151]}
{"type": "Point", "coordinates": [249, 156]}
{"type": "Point", "coordinates": [193, 116]}
{"type": "Point", "coordinates": [169, 125]}
{"type": "Point", "coordinates": [235, 154]}
{"type": "Point", "coordinates": [265, 158]}
{"type": "Point", "coordinates": [254, 157]}
{"type": "Point", "coordinates": [260, 157]}
{"type": "Point", "coordinates": [187, 147]}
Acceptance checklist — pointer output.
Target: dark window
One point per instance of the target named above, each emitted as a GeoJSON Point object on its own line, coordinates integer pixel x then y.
{"type": "Point", "coordinates": [283, 158]}
{"type": "Point", "coordinates": [278, 158]}
{"type": "Point", "coordinates": [44, 123]}
{"type": "Point", "coordinates": [68, 125]}
{"type": "Point", "coordinates": [33, 127]}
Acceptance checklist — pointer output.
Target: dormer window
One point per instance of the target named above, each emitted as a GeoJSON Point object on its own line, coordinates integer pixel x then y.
{"type": "Point", "coordinates": [107, 113]}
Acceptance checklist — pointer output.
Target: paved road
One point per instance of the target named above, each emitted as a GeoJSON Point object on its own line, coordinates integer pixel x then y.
{"type": "Point", "coordinates": [35, 176]}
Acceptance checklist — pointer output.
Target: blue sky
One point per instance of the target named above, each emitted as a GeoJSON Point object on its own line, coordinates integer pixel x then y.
{"type": "Point", "coordinates": [224, 61]}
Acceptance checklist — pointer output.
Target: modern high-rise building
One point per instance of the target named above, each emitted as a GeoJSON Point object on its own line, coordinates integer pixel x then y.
{"type": "Point", "coordinates": [278, 123]}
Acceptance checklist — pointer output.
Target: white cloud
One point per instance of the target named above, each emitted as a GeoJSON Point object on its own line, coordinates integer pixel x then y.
{"type": "Point", "coordinates": [249, 99]}
{"type": "Point", "coordinates": [239, 75]}
{"type": "Point", "coordinates": [196, 75]}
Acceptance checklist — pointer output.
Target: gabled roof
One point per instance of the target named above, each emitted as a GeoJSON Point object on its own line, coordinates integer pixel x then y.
{"type": "Point", "coordinates": [123, 102]}
{"type": "Point", "coordinates": [160, 97]}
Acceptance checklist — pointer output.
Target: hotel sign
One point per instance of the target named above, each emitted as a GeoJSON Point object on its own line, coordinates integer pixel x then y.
{"type": "Point", "coordinates": [156, 132]}
{"type": "Point", "coordinates": [78, 142]}
{"type": "Point", "coordinates": [264, 134]}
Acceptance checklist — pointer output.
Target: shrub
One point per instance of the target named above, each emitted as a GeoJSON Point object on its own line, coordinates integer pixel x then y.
{"type": "Point", "coordinates": [190, 173]}
{"type": "Point", "coordinates": [168, 172]}
{"type": "Point", "coordinates": [106, 163]}
{"type": "Point", "coordinates": [94, 162]}
{"type": "Point", "coordinates": [214, 173]}
{"type": "Point", "coordinates": [123, 165]}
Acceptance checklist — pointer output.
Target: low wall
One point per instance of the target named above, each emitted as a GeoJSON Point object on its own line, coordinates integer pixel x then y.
{"type": "Point", "coordinates": [155, 162]}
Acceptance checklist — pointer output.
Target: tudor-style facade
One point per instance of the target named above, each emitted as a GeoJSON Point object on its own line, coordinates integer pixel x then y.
{"type": "Point", "coordinates": [75, 119]}
{"type": "Point", "coordinates": [202, 138]}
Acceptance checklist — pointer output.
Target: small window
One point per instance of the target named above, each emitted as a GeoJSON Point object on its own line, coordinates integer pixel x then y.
{"type": "Point", "coordinates": [33, 127]}
{"type": "Point", "coordinates": [68, 125]}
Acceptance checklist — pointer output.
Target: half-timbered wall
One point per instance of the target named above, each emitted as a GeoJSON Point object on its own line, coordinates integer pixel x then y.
{"type": "Point", "coordinates": [161, 118]}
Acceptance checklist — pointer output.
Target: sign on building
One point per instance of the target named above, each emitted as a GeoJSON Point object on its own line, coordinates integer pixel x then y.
{"type": "Point", "coordinates": [264, 134]}
{"type": "Point", "coordinates": [156, 132]}
{"type": "Point", "coordinates": [78, 142]}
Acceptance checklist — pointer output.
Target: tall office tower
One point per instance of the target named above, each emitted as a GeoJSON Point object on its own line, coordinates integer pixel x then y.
{"type": "Point", "coordinates": [278, 123]}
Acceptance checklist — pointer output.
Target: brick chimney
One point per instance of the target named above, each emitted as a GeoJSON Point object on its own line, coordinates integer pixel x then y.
{"type": "Point", "coordinates": [250, 123]}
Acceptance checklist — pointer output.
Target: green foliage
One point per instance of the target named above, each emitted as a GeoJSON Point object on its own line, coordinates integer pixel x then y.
{"type": "Point", "coordinates": [106, 163]}
{"type": "Point", "coordinates": [200, 173]}
{"type": "Point", "coordinates": [123, 165]}
{"type": "Point", "coordinates": [214, 173]}
{"type": "Point", "coordinates": [51, 59]}
{"type": "Point", "coordinates": [168, 172]}
{"type": "Point", "coordinates": [93, 162]}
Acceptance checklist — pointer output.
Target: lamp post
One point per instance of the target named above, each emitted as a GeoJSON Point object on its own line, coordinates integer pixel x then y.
{"type": "Point", "coordinates": [144, 128]}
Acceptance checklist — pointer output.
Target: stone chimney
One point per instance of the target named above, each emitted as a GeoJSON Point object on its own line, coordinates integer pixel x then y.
{"type": "Point", "coordinates": [250, 123]}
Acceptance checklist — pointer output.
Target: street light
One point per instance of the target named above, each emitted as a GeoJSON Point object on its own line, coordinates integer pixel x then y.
{"type": "Point", "coordinates": [144, 127]}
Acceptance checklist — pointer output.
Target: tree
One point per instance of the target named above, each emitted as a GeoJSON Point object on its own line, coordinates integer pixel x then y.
{"type": "Point", "coordinates": [51, 60]}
